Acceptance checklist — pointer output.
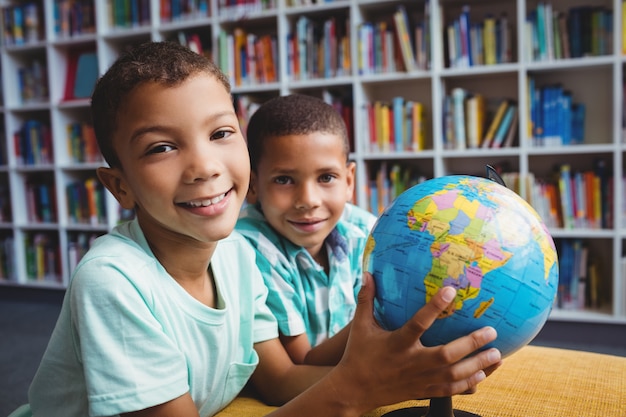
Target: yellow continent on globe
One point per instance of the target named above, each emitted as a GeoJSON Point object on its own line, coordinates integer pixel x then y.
{"type": "Point", "coordinates": [463, 252]}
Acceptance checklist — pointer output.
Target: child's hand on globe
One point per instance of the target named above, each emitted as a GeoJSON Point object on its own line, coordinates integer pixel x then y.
{"type": "Point", "coordinates": [387, 367]}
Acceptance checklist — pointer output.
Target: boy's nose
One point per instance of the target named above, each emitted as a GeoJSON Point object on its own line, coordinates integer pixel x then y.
{"type": "Point", "coordinates": [308, 196]}
{"type": "Point", "coordinates": [202, 163]}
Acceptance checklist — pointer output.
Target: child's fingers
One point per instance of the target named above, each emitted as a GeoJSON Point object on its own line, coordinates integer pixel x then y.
{"type": "Point", "coordinates": [463, 346]}
{"type": "Point", "coordinates": [426, 315]}
{"type": "Point", "coordinates": [365, 300]}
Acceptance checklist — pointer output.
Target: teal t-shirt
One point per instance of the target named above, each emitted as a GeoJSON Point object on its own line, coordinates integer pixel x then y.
{"type": "Point", "coordinates": [129, 337]}
{"type": "Point", "coordinates": [302, 296]}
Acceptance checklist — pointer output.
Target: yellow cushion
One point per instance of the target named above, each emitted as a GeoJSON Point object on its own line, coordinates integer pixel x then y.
{"type": "Point", "coordinates": [535, 381]}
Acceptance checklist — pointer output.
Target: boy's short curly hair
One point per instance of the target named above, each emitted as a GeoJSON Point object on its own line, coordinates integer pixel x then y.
{"type": "Point", "coordinates": [295, 114]}
{"type": "Point", "coordinates": [166, 63]}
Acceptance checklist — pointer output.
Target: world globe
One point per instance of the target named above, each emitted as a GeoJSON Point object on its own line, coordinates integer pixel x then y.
{"type": "Point", "coordinates": [477, 236]}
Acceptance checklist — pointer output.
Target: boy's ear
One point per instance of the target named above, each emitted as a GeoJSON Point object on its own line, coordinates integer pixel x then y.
{"type": "Point", "coordinates": [114, 181]}
{"type": "Point", "coordinates": [251, 197]}
{"type": "Point", "coordinates": [350, 178]}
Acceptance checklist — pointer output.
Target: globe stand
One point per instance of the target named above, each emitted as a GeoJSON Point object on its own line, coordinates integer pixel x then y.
{"type": "Point", "coordinates": [439, 407]}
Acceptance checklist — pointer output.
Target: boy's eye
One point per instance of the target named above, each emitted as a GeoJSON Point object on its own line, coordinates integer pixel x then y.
{"type": "Point", "coordinates": [326, 178]}
{"type": "Point", "coordinates": [221, 134]}
{"type": "Point", "coordinates": [160, 149]}
{"type": "Point", "coordinates": [283, 179]}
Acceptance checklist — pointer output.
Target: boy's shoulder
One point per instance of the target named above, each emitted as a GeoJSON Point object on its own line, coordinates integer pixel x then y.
{"type": "Point", "coordinates": [358, 218]}
{"type": "Point", "coordinates": [252, 223]}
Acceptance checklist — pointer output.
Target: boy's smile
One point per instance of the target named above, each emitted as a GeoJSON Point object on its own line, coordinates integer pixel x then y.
{"type": "Point", "coordinates": [185, 166]}
{"type": "Point", "coordinates": [302, 184]}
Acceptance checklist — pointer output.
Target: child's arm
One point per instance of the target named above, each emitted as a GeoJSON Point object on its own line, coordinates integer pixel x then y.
{"type": "Point", "coordinates": [329, 352]}
{"type": "Point", "coordinates": [379, 367]}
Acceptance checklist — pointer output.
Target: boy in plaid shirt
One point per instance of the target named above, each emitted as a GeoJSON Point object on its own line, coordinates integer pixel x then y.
{"type": "Point", "coordinates": [308, 237]}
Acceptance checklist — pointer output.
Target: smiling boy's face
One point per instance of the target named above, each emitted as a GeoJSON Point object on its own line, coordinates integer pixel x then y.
{"type": "Point", "coordinates": [185, 167]}
{"type": "Point", "coordinates": [303, 183]}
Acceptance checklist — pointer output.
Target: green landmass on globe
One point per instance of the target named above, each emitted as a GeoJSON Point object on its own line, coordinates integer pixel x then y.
{"type": "Point", "coordinates": [477, 236]}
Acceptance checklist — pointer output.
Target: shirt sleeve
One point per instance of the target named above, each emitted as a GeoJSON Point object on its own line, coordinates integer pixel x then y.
{"type": "Point", "coordinates": [129, 361]}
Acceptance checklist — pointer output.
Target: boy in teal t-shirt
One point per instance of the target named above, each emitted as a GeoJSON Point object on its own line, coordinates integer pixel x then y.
{"type": "Point", "coordinates": [166, 315]}
{"type": "Point", "coordinates": [308, 237]}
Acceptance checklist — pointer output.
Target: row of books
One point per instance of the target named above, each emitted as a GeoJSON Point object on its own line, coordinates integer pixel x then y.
{"type": "Point", "coordinates": [466, 122]}
{"type": "Point", "coordinates": [199, 42]}
{"type": "Point", "coordinates": [387, 182]}
{"type": "Point", "coordinates": [42, 257]}
{"type": "Point", "coordinates": [40, 200]}
{"type": "Point", "coordinates": [32, 81]}
{"type": "Point", "coordinates": [128, 13]}
{"type": "Point", "coordinates": [86, 202]}
{"type": "Point", "coordinates": [240, 9]}
{"type": "Point", "coordinates": [580, 284]}
{"type": "Point", "coordinates": [22, 23]}
{"type": "Point", "coordinates": [569, 199]}
{"type": "Point", "coordinates": [319, 48]}
{"type": "Point", "coordinates": [555, 118]}
{"type": "Point", "coordinates": [33, 143]}
{"type": "Point", "coordinates": [247, 58]}
{"type": "Point", "coordinates": [74, 17]}
{"type": "Point", "coordinates": [397, 44]}
{"type": "Point", "coordinates": [581, 31]}
{"type": "Point", "coordinates": [175, 10]}
{"type": "Point", "coordinates": [82, 145]}
{"type": "Point", "coordinates": [486, 42]}
{"type": "Point", "coordinates": [395, 126]}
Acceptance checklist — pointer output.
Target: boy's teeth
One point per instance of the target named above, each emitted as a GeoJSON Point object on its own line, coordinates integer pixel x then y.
{"type": "Point", "coordinates": [207, 202]}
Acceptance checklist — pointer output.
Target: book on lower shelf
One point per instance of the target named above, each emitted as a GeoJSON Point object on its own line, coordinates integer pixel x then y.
{"type": "Point", "coordinates": [42, 257]}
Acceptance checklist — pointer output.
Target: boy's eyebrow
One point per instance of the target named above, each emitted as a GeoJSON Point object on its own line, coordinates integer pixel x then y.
{"type": "Point", "coordinates": [161, 128]}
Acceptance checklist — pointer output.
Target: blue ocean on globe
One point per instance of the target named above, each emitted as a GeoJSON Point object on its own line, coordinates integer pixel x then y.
{"type": "Point", "coordinates": [477, 236]}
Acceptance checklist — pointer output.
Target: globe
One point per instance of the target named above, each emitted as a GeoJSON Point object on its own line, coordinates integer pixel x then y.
{"type": "Point", "coordinates": [472, 234]}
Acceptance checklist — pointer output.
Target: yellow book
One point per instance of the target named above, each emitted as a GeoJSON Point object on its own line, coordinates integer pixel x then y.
{"type": "Point", "coordinates": [402, 32]}
{"type": "Point", "coordinates": [419, 132]}
{"type": "Point", "coordinates": [475, 111]}
{"type": "Point", "coordinates": [385, 129]}
{"type": "Point", "coordinates": [597, 202]}
{"type": "Point", "coordinates": [493, 127]}
{"type": "Point", "coordinates": [489, 40]}
{"type": "Point", "coordinates": [90, 188]}
{"type": "Point", "coordinates": [240, 44]}
{"type": "Point", "coordinates": [378, 122]}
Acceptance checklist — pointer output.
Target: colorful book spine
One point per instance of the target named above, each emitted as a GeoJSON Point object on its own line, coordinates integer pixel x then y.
{"type": "Point", "coordinates": [495, 122]}
{"type": "Point", "coordinates": [504, 126]}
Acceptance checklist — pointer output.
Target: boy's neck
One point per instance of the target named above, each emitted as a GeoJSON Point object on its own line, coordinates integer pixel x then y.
{"type": "Point", "coordinates": [322, 259]}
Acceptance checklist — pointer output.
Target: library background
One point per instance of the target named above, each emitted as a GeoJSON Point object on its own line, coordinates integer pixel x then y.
{"type": "Point", "coordinates": [426, 88]}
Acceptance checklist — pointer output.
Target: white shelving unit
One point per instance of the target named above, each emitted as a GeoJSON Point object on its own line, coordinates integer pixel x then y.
{"type": "Point", "coordinates": [596, 81]}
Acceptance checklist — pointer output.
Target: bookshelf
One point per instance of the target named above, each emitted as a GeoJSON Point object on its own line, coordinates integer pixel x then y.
{"type": "Point", "coordinates": [319, 48]}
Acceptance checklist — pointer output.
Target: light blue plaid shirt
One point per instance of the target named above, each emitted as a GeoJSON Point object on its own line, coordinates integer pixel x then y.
{"type": "Point", "coordinates": [302, 296]}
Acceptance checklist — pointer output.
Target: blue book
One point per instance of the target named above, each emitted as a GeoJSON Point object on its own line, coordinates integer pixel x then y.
{"type": "Point", "coordinates": [565, 190]}
{"type": "Point", "coordinates": [504, 126]}
{"type": "Point", "coordinates": [86, 75]}
{"type": "Point", "coordinates": [578, 123]}
{"type": "Point", "coordinates": [397, 106]}
{"type": "Point", "coordinates": [466, 37]}
{"type": "Point", "coordinates": [566, 125]}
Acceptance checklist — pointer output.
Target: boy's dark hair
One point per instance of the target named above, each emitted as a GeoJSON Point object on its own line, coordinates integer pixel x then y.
{"type": "Point", "coordinates": [295, 114]}
{"type": "Point", "coordinates": [166, 63]}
